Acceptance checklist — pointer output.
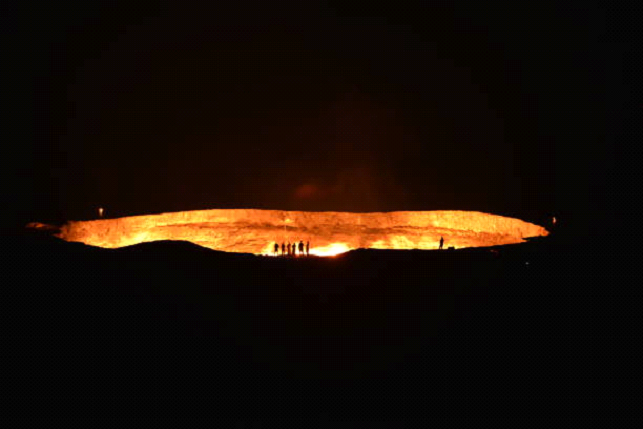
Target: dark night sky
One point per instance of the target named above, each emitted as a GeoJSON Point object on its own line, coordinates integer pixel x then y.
{"type": "Point", "coordinates": [513, 108]}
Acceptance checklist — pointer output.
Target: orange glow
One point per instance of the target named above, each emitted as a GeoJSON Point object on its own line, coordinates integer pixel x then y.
{"type": "Point", "coordinates": [306, 191]}
{"type": "Point", "coordinates": [329, 233]}
{"type": "Point", "coordinates": [330, 250]}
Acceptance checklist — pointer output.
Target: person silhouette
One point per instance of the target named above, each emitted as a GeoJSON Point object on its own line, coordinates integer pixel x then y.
{"type": "Point", "coordinates": [283, 248]}
{"type": "Point", "coordinates": [289, 249]}
{"type": "Point", "coordinates": [294, 249]}
{"type": "Point", "coordinates": [276, 249]}
{"type": "Point", "coordinates": [308, 248]}
{"type": "Point", "coordinates": [441, 243]}
{"type": "Point", "coordinates": [301, 247]}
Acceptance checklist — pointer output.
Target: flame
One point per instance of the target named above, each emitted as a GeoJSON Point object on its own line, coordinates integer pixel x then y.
{"type": "Point", "coordinates": [329, 233]}
{"type": "Point", "coordinates": [330, 250]}
{"type": "Point", "coordinates": [269, 250]}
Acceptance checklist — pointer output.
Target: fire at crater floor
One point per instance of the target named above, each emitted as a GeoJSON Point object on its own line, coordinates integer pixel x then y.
{"type": "Point", "coordinates": [329, 233]}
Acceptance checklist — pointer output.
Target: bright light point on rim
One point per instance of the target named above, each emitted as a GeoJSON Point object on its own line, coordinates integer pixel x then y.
{"type": "Point", "coordinates": [330, 250]}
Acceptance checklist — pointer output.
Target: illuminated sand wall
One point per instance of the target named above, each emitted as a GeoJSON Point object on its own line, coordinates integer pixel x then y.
{"type": "Point", "coordinates": [256, 231]}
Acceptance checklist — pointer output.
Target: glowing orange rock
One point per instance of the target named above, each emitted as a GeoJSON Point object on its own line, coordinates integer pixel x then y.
{"type": "Point", "coordinates": [329, 233]}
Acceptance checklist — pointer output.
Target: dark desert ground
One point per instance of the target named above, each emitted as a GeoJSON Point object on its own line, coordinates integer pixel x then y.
{"type": "Point", "coordinates": [517, 333]}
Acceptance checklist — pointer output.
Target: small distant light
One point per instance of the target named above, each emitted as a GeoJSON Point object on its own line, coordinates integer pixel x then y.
{"type": "Point", "coordinates": [100, 212]}
{"type": "Point", "coordinates": [526, 263]}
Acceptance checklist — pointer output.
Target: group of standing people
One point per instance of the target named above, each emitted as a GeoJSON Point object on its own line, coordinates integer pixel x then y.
{"type": "Point", "coordinates": [304, 250]}
{"type": "Point", "coordinates": [291, 249]}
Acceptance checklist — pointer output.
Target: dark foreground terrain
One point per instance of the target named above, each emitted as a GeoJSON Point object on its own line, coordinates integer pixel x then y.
{"type": "Point", "coordinates": [168, 331]}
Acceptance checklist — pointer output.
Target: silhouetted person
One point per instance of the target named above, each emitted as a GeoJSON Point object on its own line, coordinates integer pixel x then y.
{"type": "Point", "coordinates": [308, 248]}
{"type": "Point", "coordinates": [283, 249]}
{"type": "Point", "coordinates": [441, 242]}
{"type": "Point", "coordinates": [276, 249]}
{"type": "Point", "coordinates": [294, 249]}
{"type": "Point", "coordinates": [301, 247]}
{"type": "Point", "coordinates": [289, 250]}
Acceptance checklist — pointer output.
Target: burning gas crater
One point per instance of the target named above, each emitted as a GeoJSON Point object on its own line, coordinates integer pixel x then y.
{"type": "Point", "coordinates": [329, 233]}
